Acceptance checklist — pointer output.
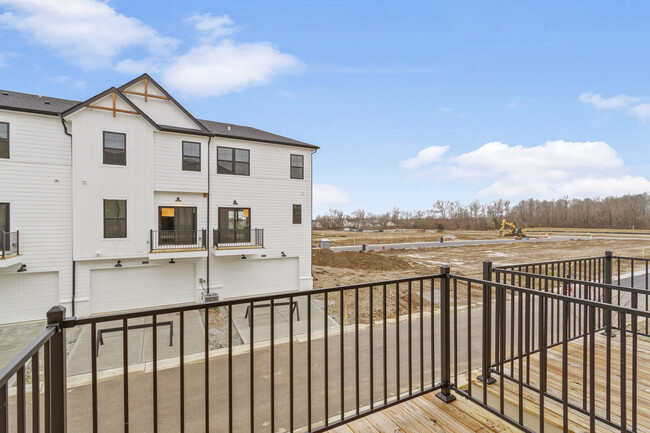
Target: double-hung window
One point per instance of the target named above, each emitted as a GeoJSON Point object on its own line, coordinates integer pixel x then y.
{"type": "Point", "coordinates": [4, 140]}
{"type": "Point", "coordinates": [114, 219]}
{"type": "Point", "coordinates": [233, 161]}
{"type": "Point", "coordinates": [191, 156]}
{"type": "Point", "coordinates": [297, 167]}
{"type": "Point", "coordinates": [114, 148]}
{"type": "Point", "coordinates": [297, 214]}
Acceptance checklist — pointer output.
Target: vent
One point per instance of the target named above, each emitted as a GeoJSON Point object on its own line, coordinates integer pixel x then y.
{"type": "Point", "coordinates": [5, 93]}
{"type": "Point", "coordinates": [47, 102]}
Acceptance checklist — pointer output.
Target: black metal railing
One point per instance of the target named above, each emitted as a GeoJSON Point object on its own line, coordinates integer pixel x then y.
{"type": "Point", "coordinates": [10, 243]}
{"type": "Point", "coordinates": [163, 240]}
{"type": "Point", "coordinates": [41, 366]}
{"type": "Point", "coordinates": [354, 350]}
{"type": "Point", "coordinates": [233, 238]}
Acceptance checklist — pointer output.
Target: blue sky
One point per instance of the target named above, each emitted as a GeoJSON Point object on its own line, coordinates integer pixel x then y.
{"type": "Point", "coordinates": [410, 101]}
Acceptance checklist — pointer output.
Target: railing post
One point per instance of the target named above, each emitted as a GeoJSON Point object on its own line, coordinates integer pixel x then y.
{"type": "Point", "coordinates": [205, 243]}
{"type": "Point", "coordinates": [151, 240]}
{"type": "Point", "coordinates": [3, 245]}
{"type": "Point", "coordinates": [57, 362]}
{"type": "Point", "coordinates": [608, 292]}
{"type": "Point", "coordinates": [17, 242]}
{"type": "Point", "coordinates": [487, 325]}
{"type": "Point", "coordinates": [445, 337]}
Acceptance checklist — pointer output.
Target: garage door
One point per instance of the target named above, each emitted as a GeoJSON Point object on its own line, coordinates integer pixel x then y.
{"type": "Point", "coordinates": [27, 296]}
{"type": "Point", "coordinates": [151, 286]}
{"type": "Point", "coordinates": [255, 277]}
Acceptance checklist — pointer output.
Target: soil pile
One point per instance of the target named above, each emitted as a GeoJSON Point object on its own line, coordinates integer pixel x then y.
{"type": "Point", "coordinates": [370, 260]}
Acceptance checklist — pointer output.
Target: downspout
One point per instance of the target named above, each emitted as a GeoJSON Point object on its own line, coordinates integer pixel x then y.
{"type": "Point", "coordinates": [311, 212]}
{"type": "Point", "coordinates": [74, 264]}
{"type": "Point", "coordinates": [207, 232]}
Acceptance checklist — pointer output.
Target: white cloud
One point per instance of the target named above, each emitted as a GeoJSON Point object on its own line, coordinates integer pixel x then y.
{"type": "Point", "coordinates": [326, 195]}
{"type": "Point", "coordinates": [89, 33]}
{"type": "Point", "coordinates": [225, 67]}
{"type": "Point", "coordinates": [137, 67]}
{"type": "Point", "coordinates": [554, 169]}
{"type": "Point", "coordinates": [641, 112]}
{"type": "Point", "coordinates": [425, 156]}
{"type": "Point", "coordinates": [212, 26]}
{"type": "Point", "coordinates": [613, 103]}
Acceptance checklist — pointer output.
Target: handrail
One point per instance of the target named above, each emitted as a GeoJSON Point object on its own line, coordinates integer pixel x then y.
{"type": "Point", "coordinates": [73, 321]}
{"type": "Point", "coordinates": [18, 361]}
{"type": "Point", "coordinates": [573, 281]}
{"type": "Point", "coordinates": [521, 265]}
{"type": "Point", "coordinates": [558, 297]}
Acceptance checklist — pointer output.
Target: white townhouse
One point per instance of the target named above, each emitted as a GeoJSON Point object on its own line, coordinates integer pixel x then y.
{"type": "Point", "coordinates": [127, 201]}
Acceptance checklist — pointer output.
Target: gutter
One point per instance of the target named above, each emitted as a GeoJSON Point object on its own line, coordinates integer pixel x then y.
{"type": "Point", "coordinates": [74, 263]}
{"type": "Point", "coordinates": [207, 232]}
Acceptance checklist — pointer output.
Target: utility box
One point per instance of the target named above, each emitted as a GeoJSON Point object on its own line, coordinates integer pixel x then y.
{"type": "Point", "coordinates": [209, 297]}
{"type": "Point", "coordinates": [364, 247]}
{"type": "Point", "coordinates": [325, 243]}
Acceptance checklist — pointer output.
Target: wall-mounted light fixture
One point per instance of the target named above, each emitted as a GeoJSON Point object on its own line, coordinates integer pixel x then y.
{"type": "Point", "coordinates": [234, 203]}
{"type": "Point", "coordinates": [118, 264]}
{"type": "Point", "coordinates": [23, 268]}
{"type": "Point", "coordinates": [178, 200]}
{"type": "Point", "coordinates": [283, 254]}
{"type": "Point", "coordinates": [243, 257]}
{"type": "Point", "coordinates": [172, 261]}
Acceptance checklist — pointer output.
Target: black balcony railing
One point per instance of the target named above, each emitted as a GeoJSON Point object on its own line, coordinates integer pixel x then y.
{"type": "Point", "coordinates": [164, 240]}
{"type": "Point", "coordinates": [233, 238]}
{"type": "Point", "coordinates": [360, 348]}
{"type": "Point", "coordinates": [10, 243]}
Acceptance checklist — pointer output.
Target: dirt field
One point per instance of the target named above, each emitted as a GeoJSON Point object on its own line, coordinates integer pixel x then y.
{"type": "Point", "coordinates": [341, 238]}
{"type": "Point", "coordinates": [345, 268]}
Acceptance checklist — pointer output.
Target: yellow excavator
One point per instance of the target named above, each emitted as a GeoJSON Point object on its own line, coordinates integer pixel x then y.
{"type": "Point", "coordinates": [510, 229]}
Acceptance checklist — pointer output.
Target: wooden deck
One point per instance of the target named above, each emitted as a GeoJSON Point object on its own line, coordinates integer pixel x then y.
{"type": "Point", "coordinates": [429, 414]}
{"type": "Point", "coordinates": [553, 410]}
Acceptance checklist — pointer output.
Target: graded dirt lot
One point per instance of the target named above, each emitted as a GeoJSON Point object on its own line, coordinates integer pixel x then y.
{"type": "Point", "coordinates": [332, 269]}
{"type": "Point", "coordinates": [342, 238]}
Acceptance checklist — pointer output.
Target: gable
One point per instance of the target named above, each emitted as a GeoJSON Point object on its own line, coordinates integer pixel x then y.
{"type": "Point", "coordinates": [158, 104]}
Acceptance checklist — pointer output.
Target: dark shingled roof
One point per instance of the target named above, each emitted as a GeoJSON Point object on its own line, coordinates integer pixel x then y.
{"type": "Point", "coordinates": [17, 101]}
{"type": "Point", "coordinates": [229, 130]}
{"type": "Point", "coordinates": [33, 103]}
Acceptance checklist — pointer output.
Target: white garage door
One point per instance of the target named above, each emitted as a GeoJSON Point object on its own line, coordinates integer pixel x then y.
{"type": "Point", "coordinates": [27, 296]}
{"type": "Point", "coordinates": [131, 288]}
{"type": "Point", "coordinates": [256, 277]}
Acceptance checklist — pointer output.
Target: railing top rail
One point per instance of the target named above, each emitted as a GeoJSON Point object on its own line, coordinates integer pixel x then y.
{"type": "Point", "coordinates": [73, 321]}
{"type": "Point", "coordinates": [549, 295]}
{"type": "Point", "coordinates": [28, 351]}
{"type": "Point", "coordinates": [520, 265]}
{"type": "Point", "coordinates": [641, 259]}
{"type": "Point", "coordinates": [575, 281]}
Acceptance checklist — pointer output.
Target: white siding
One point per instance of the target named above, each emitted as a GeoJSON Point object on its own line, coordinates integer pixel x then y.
{"type": "Point", "coordinates": [270, 193]}
{"type": "Point", "coordinates": [94, 181]}
{"type": "Point", "coordinates": [37, 185]}
{"type": "Point", "coordinates": [168, 164]}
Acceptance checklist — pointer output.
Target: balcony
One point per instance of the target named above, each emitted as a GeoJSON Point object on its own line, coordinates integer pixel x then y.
{"type": "Point", "coordinates": [235, 241]}
{"type": "Point", "coordinates": [10, 244]}
{"type": "Point", "coordinates": [166, 244]}
{"type": "Point", "coordinates": [525, 348]}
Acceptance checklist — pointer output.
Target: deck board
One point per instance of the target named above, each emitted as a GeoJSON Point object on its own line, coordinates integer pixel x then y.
{"type": "Point", "coordinates": [427, 414]}
{"type": "Point", "coordinates": [578, 421]}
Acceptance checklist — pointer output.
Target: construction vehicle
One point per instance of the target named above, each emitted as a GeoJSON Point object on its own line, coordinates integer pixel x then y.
{"type": "Point", "coordinates": [510, 229]}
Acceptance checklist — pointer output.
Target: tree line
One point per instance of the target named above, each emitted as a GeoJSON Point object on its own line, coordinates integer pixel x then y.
{"type": "Point", "coordinates": [626, 212]}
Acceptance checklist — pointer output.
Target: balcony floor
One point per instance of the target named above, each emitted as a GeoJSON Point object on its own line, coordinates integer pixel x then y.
{"type": "Point", "coordinates": [429, 414]}
{"type": "Point", "coordinates": [553, 410]}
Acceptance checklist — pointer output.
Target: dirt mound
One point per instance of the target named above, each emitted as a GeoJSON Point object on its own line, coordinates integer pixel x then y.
{"type": "Point", "coordinates": [370, 260]}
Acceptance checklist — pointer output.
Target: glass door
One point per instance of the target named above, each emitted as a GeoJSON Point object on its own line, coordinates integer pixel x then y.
{"type": "Point", "coordinates": [234, 225]}
{"type": "Point", "coordinates": [177, 226]}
